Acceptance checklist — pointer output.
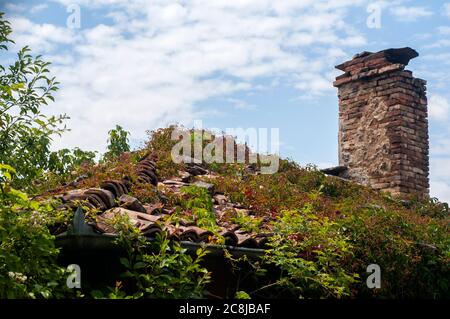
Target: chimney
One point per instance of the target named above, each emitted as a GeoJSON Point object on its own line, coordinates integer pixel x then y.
{"type": "Point", "coordinates": [383, 125]}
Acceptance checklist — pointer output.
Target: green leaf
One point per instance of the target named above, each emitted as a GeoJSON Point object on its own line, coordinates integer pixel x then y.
{"type": "Point", "coordinates": [125, 262]}
{"type": "Point", "coordinates": [139, 265]}
{"type": "Point", "coordinates": [242, 295]}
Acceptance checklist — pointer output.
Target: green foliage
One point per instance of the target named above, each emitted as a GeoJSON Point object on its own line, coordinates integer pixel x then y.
{"type": "Point", "coordinates": [429, 207]}
{"type": "Point", "coordinates": [413, 252]}
{"type": "Point", "coordinates": [28, 267]}
{"type": "Point", "coordinates": [25, 131]}
{"type": "Point", "coordinates": [160, 145]}
{"type": "Point", "coordinates": [117, 142]}
{"type": "Point", "coordinates": [310, 253]}
{"type": "Point", "coordinates": [199, 201]}
{"type": "Point", "coordinates": [5, 31]}
{"type": "Point", "coordinates": [156, 269]}
{"type": "Point", "coordinates": [326, 231]}
{"type": "Point", "coordinates": [63, 161]}
{"type": "Point", "coordinates": [247, 223]}
{"type": "Point", "coordinates": [242, 295]}
{"type": "Point", "coordinates": [197, 197]}
{"type": "Point", "coordinates": [409, 239]}
{"type": "Point", "coordinates": [306, 178]}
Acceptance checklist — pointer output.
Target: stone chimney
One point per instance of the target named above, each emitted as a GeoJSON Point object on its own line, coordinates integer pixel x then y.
{"type": "Point", "coordinates": [383, 125]}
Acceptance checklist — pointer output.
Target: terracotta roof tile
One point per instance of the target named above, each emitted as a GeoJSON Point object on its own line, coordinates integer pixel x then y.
{"type": "Point", "coordinates": [152, 218]}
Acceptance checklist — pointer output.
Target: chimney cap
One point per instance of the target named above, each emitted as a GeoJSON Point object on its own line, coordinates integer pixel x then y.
{"type": "Point", "coordinates": [402, 55]}
{"type": "Point", "coordinates": [395, 55]}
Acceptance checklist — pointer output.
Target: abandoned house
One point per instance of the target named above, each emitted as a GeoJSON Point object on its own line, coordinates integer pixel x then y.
{"type": "Point", "coordinates": [383, 143]}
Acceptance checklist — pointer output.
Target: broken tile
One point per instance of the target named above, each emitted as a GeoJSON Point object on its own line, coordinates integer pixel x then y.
{"type": "Point", "coordinates": [132, 203]}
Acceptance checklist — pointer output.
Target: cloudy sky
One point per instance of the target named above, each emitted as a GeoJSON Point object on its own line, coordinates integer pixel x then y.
{"type": "Point", "coordinates": [247, 63]}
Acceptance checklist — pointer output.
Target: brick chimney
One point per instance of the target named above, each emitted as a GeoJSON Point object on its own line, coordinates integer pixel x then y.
{"type": "Point", "coordinates": [383, 125]}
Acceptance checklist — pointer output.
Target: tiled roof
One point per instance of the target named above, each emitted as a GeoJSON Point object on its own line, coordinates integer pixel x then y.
{"type": "Point", "coordinates": [112, 197]}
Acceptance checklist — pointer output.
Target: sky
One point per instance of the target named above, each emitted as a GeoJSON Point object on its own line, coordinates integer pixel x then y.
{"type": "Point", "coordinates": [247, 63]}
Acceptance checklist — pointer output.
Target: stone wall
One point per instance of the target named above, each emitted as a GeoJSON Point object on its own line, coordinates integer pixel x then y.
{"type": "Point", "coordinates": [383, 125]}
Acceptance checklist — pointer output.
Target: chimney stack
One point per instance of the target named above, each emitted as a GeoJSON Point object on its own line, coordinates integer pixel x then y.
{"type": "Point", "coordinates": [383, 125]}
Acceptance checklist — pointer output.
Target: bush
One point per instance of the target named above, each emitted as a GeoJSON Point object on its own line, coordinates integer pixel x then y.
{"type": "Point", "coordinates": [429, 207]}
{"type": "Point", "coordinates": [412, 251]}
{"type": "Point", "coordinates": [28, 265]}
{"type": "Point", "coordinates": [310, 252]}
{"type": "Point", "coordinates": [156, 269]}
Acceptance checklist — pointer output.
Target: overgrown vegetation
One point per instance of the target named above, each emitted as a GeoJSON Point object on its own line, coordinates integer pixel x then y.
{"type": "Point", "coordinates": [155, 269]}
{"type": "Point", "coordinates": [323, 231]}
{"type": "Point", "coordinates": [117, 142]}
{"type": "Point", "coordinates": [311, 253]}
{"type": "Point", "coordinates": [28, 264]}
{"type": "Point", "coordinates": [407, 238]}
{"type": "Point", "coordinates": [199, 202]}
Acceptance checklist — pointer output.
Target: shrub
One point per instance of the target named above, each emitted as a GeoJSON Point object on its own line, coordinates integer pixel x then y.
{"type": "Point", "coordinates": [429, 207]}
{"type": "Point", "coordinates": [28, 257]}
{"type": "Point", "coordinates": [310, 253]}
{"type": "Point", "coordinates": [412, 251]}
{"type": "Point", "coordinates": [155, 269]}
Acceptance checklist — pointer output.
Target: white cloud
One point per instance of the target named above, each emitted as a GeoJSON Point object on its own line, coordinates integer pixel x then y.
{"type": "Point", "coordinates": [323, 165]}
{"type": "Point", "coordinates": [409, 14]}
{"type": "Point", "coordinates": [440, 190]}
{"type": "Point", "coordinates": [10, 7]}
{"type": "Point", "coordinates": [440, 178]}
{"type": "Point", "coordinates": [157, 60]}
{"type": "Point", "coordinates": [447, 9]}
{"type": "Point", "coordinates": [39, 7]}
{"type": "Point", "coordinates": [440, 165]}
{"type": "Point", "coordinates": [442, 58]}
{"type": "Point", "coordinates": [314, 83]}
{"type": "Point", "coordinates": [442, 43]}
{"type": "Point", "coordinates": [241, 104]}
{"type": "Point", "coordinates": [440, 144]}
{"type": "Point", "coordinates": [441, 168]}
{"type": "Point", "coordinates": [14, 7]}
{"type": "Point", "coordinates": [438, 108]}
{"type": "Point", "coordinates": [444, 30]}
{"type": "Point", "coordinates": [40, 37]}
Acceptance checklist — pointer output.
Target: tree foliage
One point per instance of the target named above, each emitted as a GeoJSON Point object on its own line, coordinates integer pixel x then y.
{"type": "Point", "coordinates": [64, 160]}
{"type": "Point", "coordinates": [117, 142]}
{"type": "Point", "coordinates": [25, 131]}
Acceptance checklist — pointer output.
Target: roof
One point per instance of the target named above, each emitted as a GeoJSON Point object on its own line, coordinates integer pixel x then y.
{"type": "Point", "coordinates": [111, 197]}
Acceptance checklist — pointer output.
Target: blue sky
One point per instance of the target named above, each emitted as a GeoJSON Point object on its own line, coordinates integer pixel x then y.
{"type": "Point", "coordinates": [248, 63]}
